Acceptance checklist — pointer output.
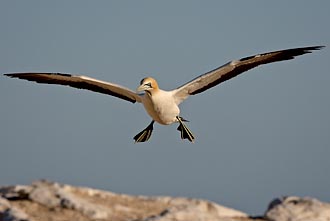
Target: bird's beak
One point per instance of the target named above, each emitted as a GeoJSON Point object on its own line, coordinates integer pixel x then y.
{"type": "Point", "coordinates": [141, 88]}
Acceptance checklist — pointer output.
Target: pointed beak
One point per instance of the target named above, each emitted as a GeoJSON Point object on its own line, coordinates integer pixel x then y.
{"type": "Point", "coordinates": [141, 88]}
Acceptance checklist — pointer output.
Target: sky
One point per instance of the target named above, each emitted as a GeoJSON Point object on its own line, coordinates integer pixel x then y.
{"type": "Point", "coordinates": [261, 135]}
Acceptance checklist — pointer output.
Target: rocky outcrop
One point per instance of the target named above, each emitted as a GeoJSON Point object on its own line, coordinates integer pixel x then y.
{"type": "Point", "coordinates": [298, 209]}
{"type": "Point", "coordinates": [44, 200]}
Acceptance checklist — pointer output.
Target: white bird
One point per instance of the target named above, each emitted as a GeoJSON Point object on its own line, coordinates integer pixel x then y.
{"type": "Point", "coordinates": [161, 105]}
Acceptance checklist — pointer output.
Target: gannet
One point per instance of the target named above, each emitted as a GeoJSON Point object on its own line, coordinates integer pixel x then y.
{"type": "Point", "coordinates": [162, 105]}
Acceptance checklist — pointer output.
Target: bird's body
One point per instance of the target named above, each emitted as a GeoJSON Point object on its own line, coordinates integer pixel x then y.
{"type": "Point", "coordinates": [161, 105]}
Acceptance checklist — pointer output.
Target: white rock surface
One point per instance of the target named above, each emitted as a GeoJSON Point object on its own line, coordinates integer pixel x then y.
{"type": "Point", "coordinates": [44, 200]}
{"type": "Point", "coordinates": [298, 209]}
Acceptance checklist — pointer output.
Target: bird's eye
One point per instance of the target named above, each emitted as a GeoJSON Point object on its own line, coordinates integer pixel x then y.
{"type": "Point", "coordinates": [148, 84]}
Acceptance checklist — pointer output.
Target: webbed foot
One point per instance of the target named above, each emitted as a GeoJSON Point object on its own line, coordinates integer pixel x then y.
{"type": "Point", "coordinates": [185, 132]}
{"type": "Point", "coordinates": [144, 135]}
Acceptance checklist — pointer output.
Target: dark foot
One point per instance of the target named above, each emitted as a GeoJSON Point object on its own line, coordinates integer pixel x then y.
{"type": "Point", "coordinates": [144, 135]}
{"type": "Point", "coordinates": [185, 132]}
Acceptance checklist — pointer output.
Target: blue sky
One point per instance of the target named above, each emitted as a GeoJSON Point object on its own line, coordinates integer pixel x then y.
{"type": "Point", "coordinates": [261, 135]}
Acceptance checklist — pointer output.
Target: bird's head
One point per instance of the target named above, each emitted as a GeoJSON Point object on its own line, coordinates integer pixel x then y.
{"type": "Point", "coordinates": [148, 84]}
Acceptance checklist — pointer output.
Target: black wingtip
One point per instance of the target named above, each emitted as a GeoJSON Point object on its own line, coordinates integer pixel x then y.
{"type": "Point", "coordinates": [313, 48]}
{"type": "Point", "coordinates": [305, 50]}
{"type": "Point", "coordinates": [319, 47]}
{"type": "Point", "coordinates": [18, 75]}
{"type": "Point", "coordinates": [13, 75]}
{"type": "Point", "coordinates": [8, 75]}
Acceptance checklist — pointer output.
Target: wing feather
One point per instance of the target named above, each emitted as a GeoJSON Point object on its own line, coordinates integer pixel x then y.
{"type": "Point", "coordinates": [234, 68]}
{"type": "Point", "coordinates": [80, 82]}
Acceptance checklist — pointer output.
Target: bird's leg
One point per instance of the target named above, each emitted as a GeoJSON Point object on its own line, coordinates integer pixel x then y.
{"type": "Point", "coordinates": [185, 132]}
{"type": "Point", "coordinates": [144, 135]}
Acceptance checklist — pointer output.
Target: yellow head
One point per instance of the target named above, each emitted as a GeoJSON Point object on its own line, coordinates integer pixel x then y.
{"type": "Point", "coordinates": [148, 84]}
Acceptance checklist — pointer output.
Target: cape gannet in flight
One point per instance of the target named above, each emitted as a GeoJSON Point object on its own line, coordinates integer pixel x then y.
{"type": "Point", "coordinates": [161, 105]}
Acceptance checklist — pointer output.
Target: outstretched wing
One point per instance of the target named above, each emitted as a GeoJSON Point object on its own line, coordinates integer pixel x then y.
{"type": "Point", "coordinates": [234, 68]}
{"type": "Point", "coordinates": [80, 82]}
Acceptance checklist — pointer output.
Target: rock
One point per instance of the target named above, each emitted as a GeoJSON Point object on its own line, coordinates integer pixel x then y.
{"type": "Point", "coordinates": [192, 209]}
{"type": "Point", "coordinates": [295, 208]}
{"type": "Point", "coordinates": [9, 213]}
{"type": "Point", "coordinates": [44, 200]}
